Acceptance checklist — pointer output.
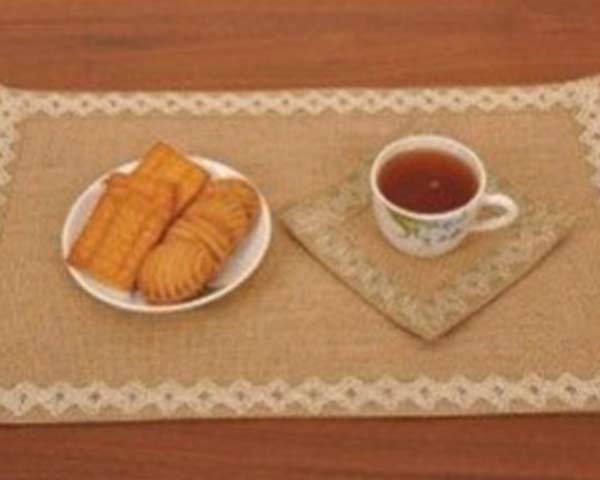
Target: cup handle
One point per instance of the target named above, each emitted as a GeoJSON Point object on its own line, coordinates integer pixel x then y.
{"type": "Point", "coordinates": [497, 200]}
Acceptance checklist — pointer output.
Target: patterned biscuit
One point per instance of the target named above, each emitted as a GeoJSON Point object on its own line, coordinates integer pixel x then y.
{"type": "Point", "coordinates": [243, 192]}
{"type": "Point", "coordinates": [223, 209]}
{"type": "Point", "coordinates": [175, 271]}
{"type": "Point", "coordinates": [199, 242]}
{"type": "Point", "coordinates": [199, 230]}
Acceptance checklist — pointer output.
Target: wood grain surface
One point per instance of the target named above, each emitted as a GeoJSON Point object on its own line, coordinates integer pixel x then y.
{"type": "Point", "coordinates": [131, 44]}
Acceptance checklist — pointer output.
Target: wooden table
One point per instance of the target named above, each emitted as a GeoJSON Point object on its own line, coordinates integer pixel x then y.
{"type": "Point", "coordinates": [258, 44]}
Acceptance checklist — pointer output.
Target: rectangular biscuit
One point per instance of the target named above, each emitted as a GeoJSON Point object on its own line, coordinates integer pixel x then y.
{"type": "Point", "coordinates": [129, 219]}
{"type": "Point", "coordinates": [164, 162]}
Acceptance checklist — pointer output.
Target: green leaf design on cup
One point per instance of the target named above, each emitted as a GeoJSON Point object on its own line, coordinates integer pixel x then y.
{"type": "Point", "coordinates": [409, 226]}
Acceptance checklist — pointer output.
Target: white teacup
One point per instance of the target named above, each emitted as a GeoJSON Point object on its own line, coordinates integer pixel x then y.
{"type": "Point", "coordinates": [431, 234]}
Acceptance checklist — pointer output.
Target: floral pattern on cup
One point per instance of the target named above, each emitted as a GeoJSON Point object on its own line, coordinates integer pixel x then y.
{"type": "Point", "coordinates": [430, 233]}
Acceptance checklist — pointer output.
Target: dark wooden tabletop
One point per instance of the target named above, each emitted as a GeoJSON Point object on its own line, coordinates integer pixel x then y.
{"type": "Point", "coordinates": [130, 44]}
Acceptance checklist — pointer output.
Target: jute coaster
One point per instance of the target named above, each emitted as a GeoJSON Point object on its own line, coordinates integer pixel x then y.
{"type": "Point", "coordinates": [427, 297]}
{"type": "Point", "coordinates": [295, 340]}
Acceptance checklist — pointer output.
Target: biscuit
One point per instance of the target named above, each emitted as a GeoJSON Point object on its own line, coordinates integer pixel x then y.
{"type": "Point", "coordinates": [223, 209]}
{"type": "Point", "coordinates": [165, 163]}
{"type": "Point", "coordinates": [201, 231]}
{"type": "Point", "coordinates": [156, 190]}
{"type": "Point", "coordinates": [175, 271]}
{"type": "Point", "coordinates": [128, 220]}
{"type": "Point", "coordinates": [199, 242]}
{"type": "Point", "coordinates": [243, 192]}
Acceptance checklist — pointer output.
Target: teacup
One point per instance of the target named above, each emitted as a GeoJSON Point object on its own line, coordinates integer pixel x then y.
{"type": "Point", "coordinates": [430, 234]}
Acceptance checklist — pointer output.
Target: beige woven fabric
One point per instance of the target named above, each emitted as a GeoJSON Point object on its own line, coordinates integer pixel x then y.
{"type": "Point", "coordinates": [427, 297]}
{"type": "Point", "coordinates": [294, 340]}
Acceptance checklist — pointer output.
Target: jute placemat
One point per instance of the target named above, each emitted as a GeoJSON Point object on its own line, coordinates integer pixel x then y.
{"type": "Point", "coordinates": [294, 341]}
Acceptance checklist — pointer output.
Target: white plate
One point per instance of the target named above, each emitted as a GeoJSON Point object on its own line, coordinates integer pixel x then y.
{"type": "Point", "coordinates": [245, 260]}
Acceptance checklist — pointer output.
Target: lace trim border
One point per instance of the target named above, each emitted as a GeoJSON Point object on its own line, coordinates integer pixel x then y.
{"type": "Point", "coordinates": [312, 396]}
{"type": "Point", "coordinates": [583, 95]}
{"type": "Point", "coordinates": [314, 222]}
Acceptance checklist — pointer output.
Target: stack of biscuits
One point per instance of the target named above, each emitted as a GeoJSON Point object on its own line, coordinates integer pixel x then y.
{"type": "Point", "coordinates": [166, 229]}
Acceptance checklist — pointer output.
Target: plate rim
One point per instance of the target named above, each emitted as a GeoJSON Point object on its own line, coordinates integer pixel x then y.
{"type": "Point", "coordinates": [126, 167]}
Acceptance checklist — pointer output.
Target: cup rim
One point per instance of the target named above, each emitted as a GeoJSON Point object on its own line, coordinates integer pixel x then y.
{"type": "Point", "coordinates": [435, 140]}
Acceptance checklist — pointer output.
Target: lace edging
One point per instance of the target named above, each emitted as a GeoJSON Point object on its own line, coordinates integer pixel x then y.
{"type": "Point", "coordinates": [9, 117]}
{"type": "Point", "coordinates": [315, 220]}
{"type": "Point", "coordinates": [310, 101]}
{"type": "Point", "coordinates": [589, 118]}
{"type": "Point", "coordinates": [312, 396]}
